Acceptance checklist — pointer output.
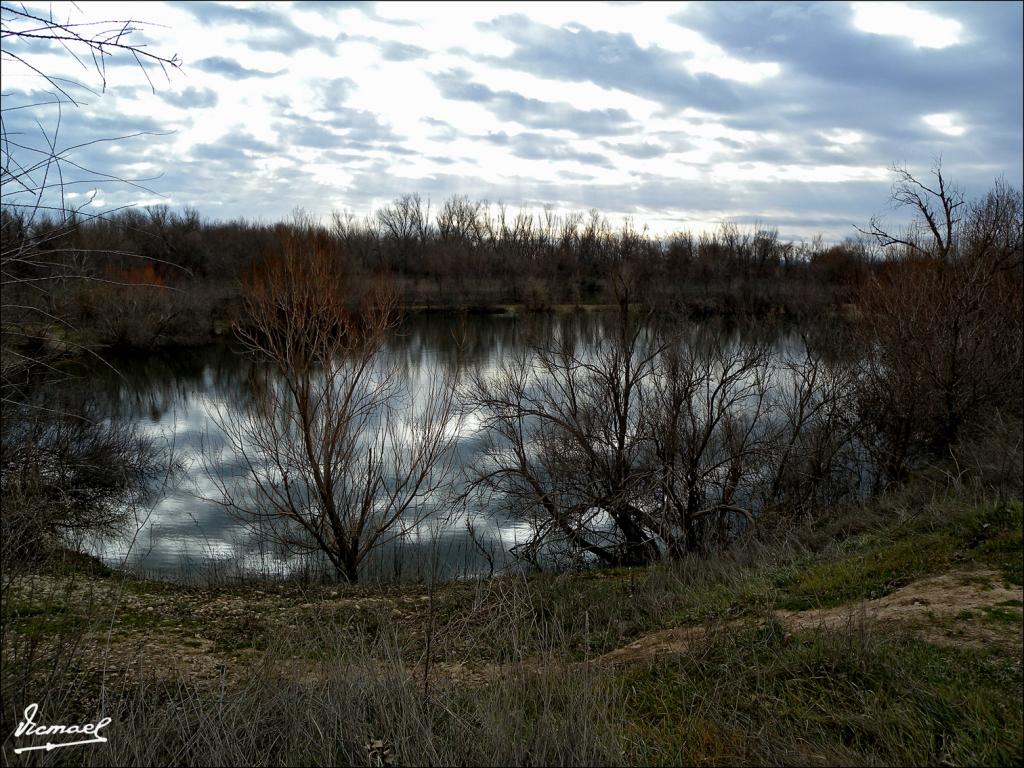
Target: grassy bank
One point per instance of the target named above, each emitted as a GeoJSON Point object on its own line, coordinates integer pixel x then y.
{"type": "Point", "coordinates": [880, 635]}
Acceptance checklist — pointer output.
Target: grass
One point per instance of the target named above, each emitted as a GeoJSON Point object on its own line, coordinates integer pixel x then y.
{"type": "Point", "coordinates": [826, 698]}
{"type": "Point", "coordinates": [285, 673]}
{"type": "Point", "coordinates": [878, 563]}
{"type": "Point", "coordinates": [869, 574]}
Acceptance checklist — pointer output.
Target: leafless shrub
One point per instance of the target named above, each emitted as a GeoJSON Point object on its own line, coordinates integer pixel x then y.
{"type": "Point", "coordinates": [709, 429]}
{"type": "Point", "coordinates": [941, 340]}
{"type": "Point", "coordinates": [645, 444]}
{"type": "Point", "coordinates": [565, 443]}
{"type": "Point", "coordinates": [66, 475]}
{"type": "Point", "coordinates": [815, 460]}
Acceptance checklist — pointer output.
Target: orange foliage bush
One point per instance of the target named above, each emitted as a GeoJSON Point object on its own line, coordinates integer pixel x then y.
{"type": "Point", "coordinates": [144, 274]}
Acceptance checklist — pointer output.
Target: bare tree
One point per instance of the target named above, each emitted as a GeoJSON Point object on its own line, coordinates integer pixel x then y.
{"type": "Point", "coordinates": [648, 443]}
{"type": "Point", "coordinates": [565, 447]}
{"type": "Point", "coordinates": [339, 454]}
{"type": "Point", "coordinates": [459, 221]}
{"type": "Point", "coordinates": [942, 331]}
{"type": "Point", "coordinates": [936, 210]}
{"type": "Point", "coordinates": [405, 226]}
{"type": "Point", "coordinates": [708, 427]}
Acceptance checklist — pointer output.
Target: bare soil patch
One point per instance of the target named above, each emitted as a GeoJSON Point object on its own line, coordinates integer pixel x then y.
{"type": "Point", "coordinates": [943, 608]}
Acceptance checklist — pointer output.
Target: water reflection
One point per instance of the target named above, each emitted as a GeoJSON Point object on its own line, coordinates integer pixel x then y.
{"type": "Point", "coordinates": [173, 397]}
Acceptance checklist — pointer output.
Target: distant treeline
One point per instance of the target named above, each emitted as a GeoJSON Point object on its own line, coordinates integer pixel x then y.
{"type": "Point", "coordinates": [461, 255]}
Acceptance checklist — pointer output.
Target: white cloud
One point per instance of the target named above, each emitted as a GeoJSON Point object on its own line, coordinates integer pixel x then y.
{"type": "Point", "coordinates": [944, 122]}
{"type": "Point", "coordinates": [924, 29]}
{"type": "Point", "coordinates": [843, 137]}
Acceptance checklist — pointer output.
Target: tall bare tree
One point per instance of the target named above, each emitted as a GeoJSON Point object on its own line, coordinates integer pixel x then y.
{"type": "Point", "coordinates": [340, 455]}
{"type": "Point", "coordinates": [404, 227]}
{"type": "Point", "coordinates": [937, 211]}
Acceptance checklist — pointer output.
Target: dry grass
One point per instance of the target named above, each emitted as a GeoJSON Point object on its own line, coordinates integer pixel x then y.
{"type": "Point", "coordinates": [518, 670]}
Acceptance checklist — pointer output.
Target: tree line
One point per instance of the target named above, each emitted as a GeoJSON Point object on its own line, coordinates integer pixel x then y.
{"type": "Point", "coordinates": [463, 255]}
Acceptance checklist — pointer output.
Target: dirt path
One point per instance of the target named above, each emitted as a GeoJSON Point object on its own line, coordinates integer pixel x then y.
{"type": "Point", "coordinates": [949, 594]}
{"type": "Point", "coordinates": [169, 634]}
{"type": "Point", "coordinates": [940, 609]}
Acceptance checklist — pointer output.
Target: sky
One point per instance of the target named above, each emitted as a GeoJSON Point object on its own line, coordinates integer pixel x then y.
{"type": "Point", "coordinates": [674, 115]}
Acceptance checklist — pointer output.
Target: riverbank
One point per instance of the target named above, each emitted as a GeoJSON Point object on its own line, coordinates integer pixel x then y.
{"type": "Point", "coordinates": [881, 635]}
{"type": "Point", "coordinates": [181, 316]}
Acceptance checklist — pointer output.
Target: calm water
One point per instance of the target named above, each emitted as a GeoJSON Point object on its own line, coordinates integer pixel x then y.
{"type": "Point", "coordinates": [182, 533]}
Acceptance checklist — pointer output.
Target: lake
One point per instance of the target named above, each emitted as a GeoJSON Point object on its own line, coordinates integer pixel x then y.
{"type": "Point", "coordinates": [181, 532]}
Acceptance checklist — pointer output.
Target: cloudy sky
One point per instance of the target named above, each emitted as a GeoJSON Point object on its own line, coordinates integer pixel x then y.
{"type": "Point", "coordinates": [677, 115]}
